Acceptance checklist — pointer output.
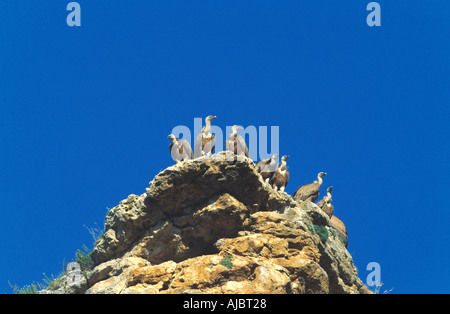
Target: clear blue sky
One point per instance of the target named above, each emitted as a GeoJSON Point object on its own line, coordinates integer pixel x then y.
{"type": "Point", "coordinates": [85, 113]}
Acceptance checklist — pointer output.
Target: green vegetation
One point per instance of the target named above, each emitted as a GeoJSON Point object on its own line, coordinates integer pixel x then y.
{"type": "Point", "coordinates": [311, 228]}
{"type": "Point", "coordinates": [333, 232]}
{"type": "Point", "coordinates": [28, 289]}
{"type": "Point", "coordinates": [227, 261]}
{"type": "Point", "coordinates": [83, 258]}
{"type": "Point", "coordinates": [52, 282]}
{"type": "Point", "coordinates": [320, 230]}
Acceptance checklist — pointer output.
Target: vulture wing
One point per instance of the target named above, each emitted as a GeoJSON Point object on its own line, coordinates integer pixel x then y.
{"type": "Point", "coordinates": [198, 145]}
{"type": "Point", "coordinates": [187, 150]}
{"type": "Point", "coordinates": [242, 148]}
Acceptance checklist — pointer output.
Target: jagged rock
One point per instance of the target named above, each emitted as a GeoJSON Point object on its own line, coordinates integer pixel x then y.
{"type": "Point", "coordinates": [214, 226]}
{"type": "Point", "coordinates": [317, 216]}
{"type": "Point", "coordinates": [64, 285]}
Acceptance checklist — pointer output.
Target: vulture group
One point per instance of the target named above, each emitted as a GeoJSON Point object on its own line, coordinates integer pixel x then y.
{"type": "Point", "coordinates": [273, 173]}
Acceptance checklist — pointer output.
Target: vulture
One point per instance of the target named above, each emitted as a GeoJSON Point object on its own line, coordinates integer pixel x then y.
{"type": "Point", "coordinates": [281, 177]}
{"type": "Point", "coordinates": [310, 191]}
{"type": "Point", "coordinates": [236, 143]}
{"type": "Point", "coordinates": [340, 228]}
{"type": "Point", "coordinates": [205, 141]}
{"type": "Point", "coordinates": [180, 149]}
{"type": "Point", "coordinates": [325, 203]}
{"type": "Point", "coordinates": [267, 167]}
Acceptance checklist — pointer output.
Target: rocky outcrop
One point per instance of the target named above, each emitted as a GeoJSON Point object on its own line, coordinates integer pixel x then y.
{"type": "Point", "coordinates": [214, 226]}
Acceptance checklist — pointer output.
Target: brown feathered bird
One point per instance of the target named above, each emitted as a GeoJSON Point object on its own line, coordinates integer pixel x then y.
{"type": "Point", "coordinates": [325, 203]}
{"type": "Point", "coordinates": [205, 140]}
{"type": "Point", "coordinates": [267, 167]}
{"type": "Point", "coordinates": [280, 179]}
{"type": "Point", "coordinates": [310, 191]}
{"type": "Point", "coordinates": [236, 143]}
{"type": "Point", "coordinates": [180, 150]}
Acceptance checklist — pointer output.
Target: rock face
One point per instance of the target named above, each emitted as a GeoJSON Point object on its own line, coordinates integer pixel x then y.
{"type": "Point", "coordinates": [214, 226]}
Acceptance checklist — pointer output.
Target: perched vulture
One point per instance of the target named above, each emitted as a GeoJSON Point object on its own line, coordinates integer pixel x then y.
{"type": "Point", "coordinates": [236, 143]}
{"type": "Point", "coordinates": [281, 177]}
{"type": "Point", "coordinates": [309, 191]}
{"type": "Point", "coordinates": [325, 203]}
{"type": "Point", "coordinates": [267, 167]}
{"type": "Point", "coordinates": [205, 141]}
{"type": "Point", "coordinates": [180, 149]}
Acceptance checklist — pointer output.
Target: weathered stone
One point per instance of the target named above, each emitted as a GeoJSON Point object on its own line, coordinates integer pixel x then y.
{"type": "Point", "coordinates": [318, 217]}
{"type": "Point", "coordinates": [213, 226]}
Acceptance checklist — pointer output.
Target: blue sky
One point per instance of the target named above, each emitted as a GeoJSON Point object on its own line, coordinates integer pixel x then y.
{"type": "Point", "coordinates": [85, 113]}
